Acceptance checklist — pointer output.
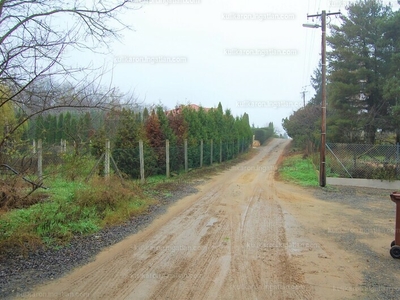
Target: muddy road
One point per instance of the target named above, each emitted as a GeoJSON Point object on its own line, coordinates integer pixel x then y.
{"type": "Point", "coordinates": [244, 235]}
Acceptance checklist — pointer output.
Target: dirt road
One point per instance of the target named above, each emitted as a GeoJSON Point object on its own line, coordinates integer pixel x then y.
{"type": "Point", "coordinates": [242, 236]}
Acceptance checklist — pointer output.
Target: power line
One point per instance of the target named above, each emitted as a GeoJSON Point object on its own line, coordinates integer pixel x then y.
{"type": "Point", "coordinates": [308, 48]}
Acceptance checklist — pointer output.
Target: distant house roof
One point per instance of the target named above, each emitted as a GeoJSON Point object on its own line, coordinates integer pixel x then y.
{"type": "Point", "coordinates": [178, 110]}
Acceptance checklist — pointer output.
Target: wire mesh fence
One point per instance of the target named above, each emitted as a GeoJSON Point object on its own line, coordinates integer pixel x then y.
{"type": "Point", "coordinates": [363, 161]}
{"type": "Point", "coordinates": [38, 161]}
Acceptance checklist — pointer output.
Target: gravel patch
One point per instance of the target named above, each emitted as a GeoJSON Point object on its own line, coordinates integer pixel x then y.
{"type": "Point", "coordinates": [380, 281]}
{"type": "Point", "coordinates": [19, 274]}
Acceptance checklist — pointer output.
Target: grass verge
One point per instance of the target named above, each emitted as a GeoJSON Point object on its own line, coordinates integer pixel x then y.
{"type": "Point", "coordinates": [71, 208]}
{"type": "Point", "coordinates": [299, 170]}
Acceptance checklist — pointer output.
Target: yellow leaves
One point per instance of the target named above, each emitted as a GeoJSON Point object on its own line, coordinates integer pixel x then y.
{"type": "Point", "coordinates": [8, 117]}
{"type": "Point", "coordinates": [7, 113]}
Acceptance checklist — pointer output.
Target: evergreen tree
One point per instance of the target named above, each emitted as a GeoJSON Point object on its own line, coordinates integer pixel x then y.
{"type": "Point", "coordinates": [60, 127]}
{"type": "Point", "coordinates": [53, 129]}
{"type": "Point", "coordinates": [39, 128]}
{"type": "Point", "coordinates": [126, 149]}
{"type": "Point", "coordinates": [47, 128]}
{"type": "Point", "coordinates": [145, 115]}
{"type": "Point", "coordinates": [358, 65]}
{"type": "Point", "coordinates": [67, 126]}
{"type": "Point", "coordinates": [316, 83]}
{"type": "Point", "coordinates": [391, 87]}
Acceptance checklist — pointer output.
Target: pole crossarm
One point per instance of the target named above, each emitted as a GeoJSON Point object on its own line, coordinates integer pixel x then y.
{"type": "Point", "coordinates": [326, 14]}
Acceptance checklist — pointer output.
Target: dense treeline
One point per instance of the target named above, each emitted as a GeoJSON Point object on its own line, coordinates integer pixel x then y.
{"type": "Point", "coordinates": [88, 131]}
{"type": "Point", "coordinates": [71, 126]}
{"type": "Point", "coordinates": [264, 133]}
{"type": "Point", "coordinates": [184, 123]}
{"type": "Point", "coordinates": [363, 85]}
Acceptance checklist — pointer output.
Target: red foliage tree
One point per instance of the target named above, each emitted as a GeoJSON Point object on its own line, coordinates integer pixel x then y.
{"type": "Point", "coordinates": [155, 137]}
{"type": "Point", "coordinates": [179, 126]}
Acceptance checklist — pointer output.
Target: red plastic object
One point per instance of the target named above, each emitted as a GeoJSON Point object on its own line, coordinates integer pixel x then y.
{"type": "Point", "coordinates": [395, 246]}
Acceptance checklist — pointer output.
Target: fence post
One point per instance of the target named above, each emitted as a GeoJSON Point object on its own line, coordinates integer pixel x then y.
{"type": "Point", "coordinates": [211, 157]}
{"type": "Point", "coordinates": [220, 151]}
{"type": "Point", "coordinates": [34, 147]}
{"type": "Point", "coordinates": [40, 159]}
{"type": "Point", "coordinates": [141, 159]}
{"type": "Point", "coordinates": [107, 160]}
{"type": "Point", "coordinates": [186, 154]}
{"type": "Point", "coordinates": [201, 153]}
{"type": "Point", "coordinates": [167, 157]}
{"type": "Point", "coordinates": [63, 146]}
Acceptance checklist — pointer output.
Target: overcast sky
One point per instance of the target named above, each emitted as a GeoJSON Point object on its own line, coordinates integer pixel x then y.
{"type": "Point", "coordinates": [253, 56]}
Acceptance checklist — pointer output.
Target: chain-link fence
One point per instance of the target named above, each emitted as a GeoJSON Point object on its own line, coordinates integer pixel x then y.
{"type": "Point", "coordinates": [363, 161]}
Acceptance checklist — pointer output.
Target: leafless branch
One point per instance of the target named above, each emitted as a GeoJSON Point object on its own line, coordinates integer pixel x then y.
{"type": "Point", "coordinates": [34, 37]}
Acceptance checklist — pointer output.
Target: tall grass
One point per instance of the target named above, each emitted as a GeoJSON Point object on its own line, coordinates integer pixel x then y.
{"type": "Point", "coordinates": [71, 208]}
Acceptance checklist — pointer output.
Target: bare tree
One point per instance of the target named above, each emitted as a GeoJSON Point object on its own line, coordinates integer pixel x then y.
{"type": "Point", "coordinates": [34, 37]}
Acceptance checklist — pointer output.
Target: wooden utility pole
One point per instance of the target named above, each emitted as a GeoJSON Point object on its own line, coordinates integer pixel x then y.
{"type": "Point", "coordinates": [322, 166]}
